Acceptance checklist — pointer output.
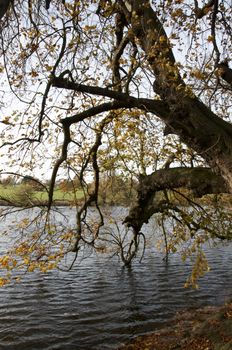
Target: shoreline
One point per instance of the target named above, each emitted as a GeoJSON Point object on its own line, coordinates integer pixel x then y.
{"type": "Point", "coordinates": [58, 203]}
{"type": "Point", "coordinates": [205, 328]}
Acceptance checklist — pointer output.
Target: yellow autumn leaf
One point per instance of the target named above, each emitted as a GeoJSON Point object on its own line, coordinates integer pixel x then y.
{"type": "Point", "coordinates": [34, 73]}
{"type": "Point", "coordinates": [210, 38]}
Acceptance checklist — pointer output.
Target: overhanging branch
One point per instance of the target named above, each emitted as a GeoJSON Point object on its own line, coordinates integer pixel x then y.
{"type": "Point", "coordinates": [200, 180]}
{"type": "Point", "coordinates": [104, 107]}
{"type": "Point", "coordinates": [122, 100]}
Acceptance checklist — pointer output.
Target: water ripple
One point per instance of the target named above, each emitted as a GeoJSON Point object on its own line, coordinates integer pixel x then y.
{"type": "Point", "coordinates": [98, 305]}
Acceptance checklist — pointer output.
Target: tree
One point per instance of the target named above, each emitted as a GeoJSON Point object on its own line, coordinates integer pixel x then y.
{"type": "Point", "coordinates": [141, 86]}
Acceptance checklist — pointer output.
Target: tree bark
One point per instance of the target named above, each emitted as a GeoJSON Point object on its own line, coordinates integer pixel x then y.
{"type": "Point", "coordinates": [225, 72]}
{"type": "Point", "coordinates": [4, 5]}
{"type": "Point", "coordinates": [200, 180]}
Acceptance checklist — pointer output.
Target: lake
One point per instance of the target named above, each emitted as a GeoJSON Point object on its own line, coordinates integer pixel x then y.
{"type": "Point", "coordinates": [100, 304]}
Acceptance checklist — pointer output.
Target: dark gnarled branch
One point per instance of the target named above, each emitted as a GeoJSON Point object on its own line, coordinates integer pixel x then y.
{"type": "Point", "coordinates": [4, 5]}
{"type": "Point", "coordinates": [225, 72]}
{"type": "Point", "coordinates": [200, 180]}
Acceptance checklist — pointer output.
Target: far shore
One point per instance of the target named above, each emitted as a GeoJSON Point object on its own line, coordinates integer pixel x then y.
{"type": "Point", "coordinates": [58, 203]}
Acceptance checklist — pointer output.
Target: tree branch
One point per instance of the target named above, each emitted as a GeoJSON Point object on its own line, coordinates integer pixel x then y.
{"type": "Point", "coordinates": [201, 12]}
{"type": "Point", "coordinates": [4, 5]}
{"type": "Point", "coordinates": [104, 107]}
{"type": "Point", "coordinates": [63, 157]}
{"type": "Point", "coordinates": [121, 43]}
{"type": "Point", "coordinates": [213, 30]}
{"type": "Point", "coordinates": [200, 180]}
{"type": "Point", "coordinates": [225, 72]}
{"type": "Point", "coordinates": [157, 107]}
{"type": "Point", "coordinates": [66, 123]}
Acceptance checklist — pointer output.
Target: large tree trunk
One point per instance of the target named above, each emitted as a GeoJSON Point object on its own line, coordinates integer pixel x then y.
{"type": "Point", "coordinates": [197, 126]}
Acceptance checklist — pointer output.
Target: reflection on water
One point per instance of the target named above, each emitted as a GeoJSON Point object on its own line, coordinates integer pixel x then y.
{"type": "Point", "coordinates": [100, 304]}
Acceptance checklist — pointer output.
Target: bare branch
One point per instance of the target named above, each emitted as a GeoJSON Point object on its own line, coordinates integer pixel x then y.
{"type": "Point", "coordinates": [121, 43]}
{"type": "Point", "coordinates": [67, 122]}
{"type": "Point", "coordinates": [49, 84]}
{"type": "Point", "coordinates": [154, 106]}
{"type": "Point", "coordinates": [104, 107]}
{"type": "Point", "coordinates": [213, 30]}
{"type": "Point", "coordinates": [58, 163]}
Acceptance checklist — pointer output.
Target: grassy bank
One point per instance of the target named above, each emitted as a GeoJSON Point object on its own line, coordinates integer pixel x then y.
{"type": "Point", "coordinates": [23, 194]}
{"type": "Point", "coordinates": [208, 328]}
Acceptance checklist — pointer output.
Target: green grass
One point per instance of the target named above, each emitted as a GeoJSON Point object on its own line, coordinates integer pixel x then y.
{"type": "Point", "coordinates": [58, 195]}
{"type": "Point", "coordinates": [15, 192]}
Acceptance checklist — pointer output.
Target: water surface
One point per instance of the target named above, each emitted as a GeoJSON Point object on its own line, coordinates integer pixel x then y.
{"type": "Point", "coordinates": [100, 304]}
